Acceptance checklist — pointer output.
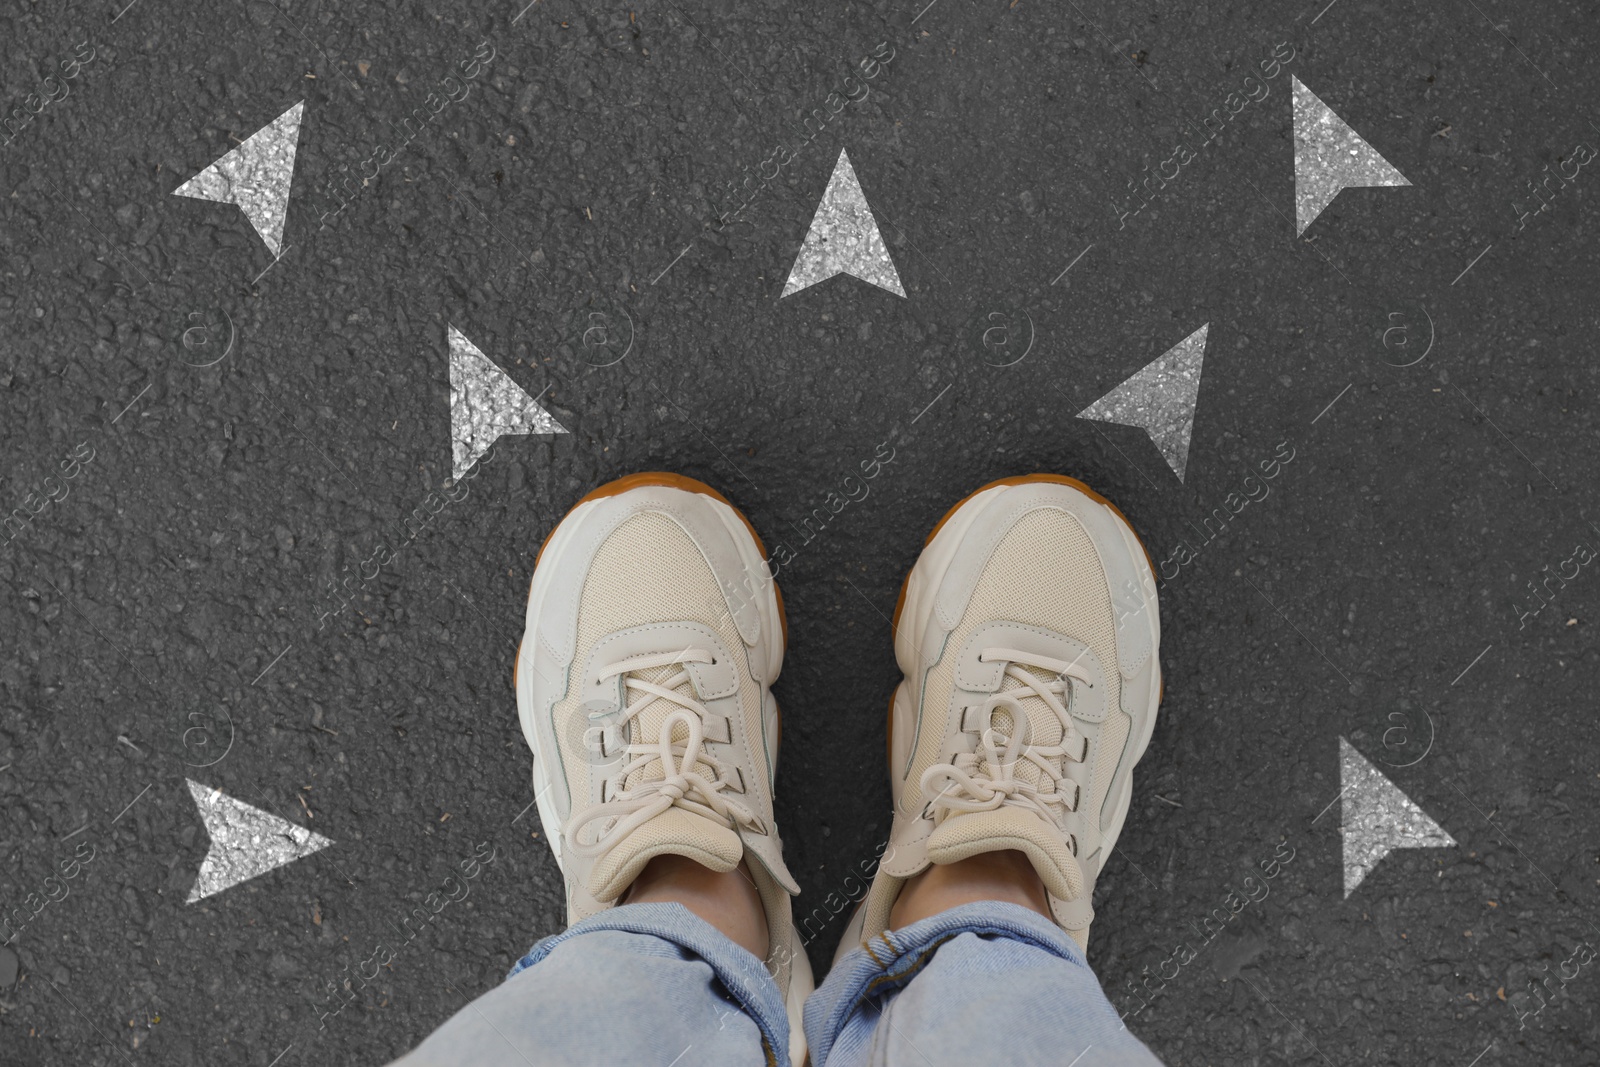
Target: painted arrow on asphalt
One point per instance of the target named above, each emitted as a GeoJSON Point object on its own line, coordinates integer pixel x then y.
{"type": "Point", "coordinates": [485, 404]}
{"type": "Point", "coordinates": [1160, 399]}
{"type": "Point", "coordinates": [1330, 156]}
{"type": "Point", "coordinates": [245, 841]}
{"type": "Point", "coordinates": [843, 239]}
{"type": "Point", "coordinates": [1376, 818]}
{"type": "Point", "coordinates": [256, 176]}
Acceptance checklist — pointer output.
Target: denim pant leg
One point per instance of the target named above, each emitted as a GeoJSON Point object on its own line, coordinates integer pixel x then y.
{"type": "Point", "coordinates": [648, 984]}
{"type": "Point", "coordinates": [984, 983]}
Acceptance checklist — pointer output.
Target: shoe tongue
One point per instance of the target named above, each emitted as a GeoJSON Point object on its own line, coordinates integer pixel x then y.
{"type": "Point", "coordinates": [675, 832]}
{"type": "Point", "coordinates": [1009, 826]}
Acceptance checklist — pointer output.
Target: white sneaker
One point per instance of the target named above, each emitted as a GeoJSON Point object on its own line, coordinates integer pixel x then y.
{"type": "Point", "coordinates": [1028, 634]}
{"type": "Point", "coordinates": [654, 633]}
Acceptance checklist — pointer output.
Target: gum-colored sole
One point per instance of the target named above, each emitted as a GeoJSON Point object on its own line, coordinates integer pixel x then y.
{"type": "Point", "coordinates": [1017, 479]}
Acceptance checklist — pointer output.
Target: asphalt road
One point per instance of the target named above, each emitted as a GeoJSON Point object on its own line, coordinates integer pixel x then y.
{"type": "Point", "coordinates": [198, 439]}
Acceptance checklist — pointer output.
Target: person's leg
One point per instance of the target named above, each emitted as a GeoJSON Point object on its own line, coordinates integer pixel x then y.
{"type": "Point", "coordinates": [634, 984]}
{"type": "Point", "coordinates": [653, 636]}
{"type": "Point", "coordinates": [1028, 634]}
{"type": "Point", "coordinates": [971, 970]}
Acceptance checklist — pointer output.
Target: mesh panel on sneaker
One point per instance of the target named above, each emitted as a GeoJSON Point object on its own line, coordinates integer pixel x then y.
{"type": "Point", "coordinates": [1044, 551]}
{"type": "Point", "coordinates": [649, 570]}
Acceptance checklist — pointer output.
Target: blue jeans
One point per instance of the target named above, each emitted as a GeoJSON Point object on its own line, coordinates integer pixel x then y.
{"type": "Point", "coordinates": [653, 985]}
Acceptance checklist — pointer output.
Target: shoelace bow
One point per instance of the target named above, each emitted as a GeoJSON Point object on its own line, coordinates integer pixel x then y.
{"type": "Point", "coordinates": [681, 785]}
{"type": "Point", "coordinates": [984, 780]}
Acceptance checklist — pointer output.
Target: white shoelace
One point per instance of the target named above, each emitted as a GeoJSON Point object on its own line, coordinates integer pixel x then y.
{"type": "Point", "coordinates": [986, 779]}
{"type": "Point", "coordinates": [681, 784]}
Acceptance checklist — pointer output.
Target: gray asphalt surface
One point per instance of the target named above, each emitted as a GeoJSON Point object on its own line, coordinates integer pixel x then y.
{"type": "Point", "coordinates": [166, 613]}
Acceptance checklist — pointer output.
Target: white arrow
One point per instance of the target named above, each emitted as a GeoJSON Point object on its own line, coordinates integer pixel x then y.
{"type": "Point", "coordinates": [843, 238]}
{"type": "Point", "coordinates": [1329, 156]}
{"type": "Point", "coordinates": [1376, 818]}
{"type": "Point", "coordinates": [245, 841]}
{"type": "Point", "coordinates": [1160, 399]}
{"type": "Point", "coordinates": [485, 403]}
{"type": "Point", "coordinates": [256, 176]}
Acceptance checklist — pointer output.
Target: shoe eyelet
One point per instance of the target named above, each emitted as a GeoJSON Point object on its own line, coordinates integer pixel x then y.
{"type": "Point", "coordinates": [1072, 843]}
